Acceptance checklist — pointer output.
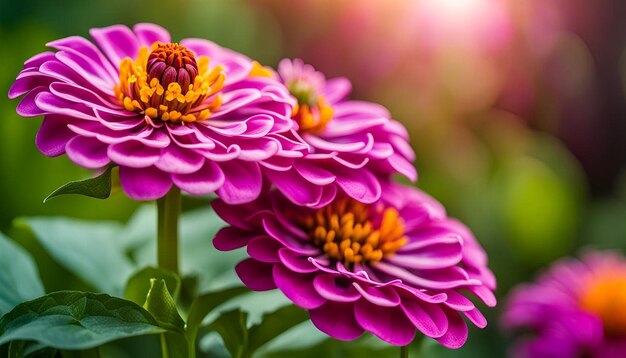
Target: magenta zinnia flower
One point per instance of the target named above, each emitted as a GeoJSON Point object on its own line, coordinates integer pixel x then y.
{"type": "Point", "coordinates": [185, 114]}
{"type": "Point", "coordinates": [576, 309]}
{"type": "Point", "coordinates": [391, 268]}
{"type": "Point", "coordinates": [352, 143]}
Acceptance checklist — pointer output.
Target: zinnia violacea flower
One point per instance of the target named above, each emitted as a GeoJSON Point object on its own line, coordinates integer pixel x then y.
{"type": "Point", "coordinates": [392, 268]}
{"type": "Point", "coordinates": [185, 114]}
{"type": "Point", "coordinates": [352, 143]}
{"type": "Point", "coordinates": [575, 309]}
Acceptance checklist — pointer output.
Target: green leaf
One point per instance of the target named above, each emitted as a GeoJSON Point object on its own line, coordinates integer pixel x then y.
{"type": "Point", "coordinates": [206, 303]}
{"type": "Point", "coordinates": [203, 305]}
{"type": "Point", "coordinates": [97, 187]}
{"type": "Point", "coordinates": [84, 248]}
{"type": "Point", "coordinates": [232, 326]}
{"type": "Point", "coordinates": [160, 303]}
{"type": "Point", "coordinates": [273, 325]}
{"type": "Point", "coordinates": [138, 284]}
{"type": "Point", "coordinates": [19, 280]}
{"type": "Point", "coordinates": [76, 320]}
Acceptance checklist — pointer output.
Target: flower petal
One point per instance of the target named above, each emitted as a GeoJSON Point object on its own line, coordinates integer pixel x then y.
{"type": "Point", "coordinates": [176, 160]}
{"type": "Point", "coordinates": [264, 249]}
{"type": "Point", "coordinates": [457, 332]}
{"type": "Point", "coordinates": [53, 136]}
{"type": "Point", "coordinates": [116, 42]}
{"type": "Point", "coordinates": [428, 318]}
{"type": "Point", "coordinates": [145, 183]}
{"type": "Point", "coordinates": [326, 285]}
{"type": "Point", "coordinates": [387, 323]}
{"type": "Point", "coordinates": [230, 238]}
{"type": "Point", "coordinates": [147, 34]}
{"type": "Point", "coordinates": [242, 184]}
{"type": "Point", "coordinates": [257, 276]}
{"type": "Point", "coordinates": [297, 287]}
{"type": "Point", "coordinates": [204, 181]}
{"type": "Point", "coordinates": [87, 152]}
{"type": "Point", "coordinates": [336, 320]}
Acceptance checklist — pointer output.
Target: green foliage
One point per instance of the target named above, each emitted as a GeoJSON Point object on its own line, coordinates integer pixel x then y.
{"type": "Point", "coordinates": [232, 327]}
{"type": "Point", "coordinates": [139, 284]}
{"type": "Point", "coordinates": [203, 305]}
{"type": "Point", "coordinates": [85, 249]}
{"type": "Point", "coordinates": [76, 320]}
{"type": "Point", "coordinates": [160, 303]}
{"type": "Point", "coordinates": [19, 280]}
{"type": "Point", "coordinates": [243, 341]}
{"type": "Point", "coordinates": [97, 187]}
{"type": "Point", "coordinates": [273, 324]}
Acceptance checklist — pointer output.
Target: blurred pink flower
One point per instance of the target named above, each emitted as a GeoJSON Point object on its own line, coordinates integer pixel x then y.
{"type": "Point", "coordinates": [576, 309]}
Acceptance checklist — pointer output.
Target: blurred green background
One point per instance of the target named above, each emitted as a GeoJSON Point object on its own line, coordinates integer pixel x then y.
{"type": "Point", "coordinates": [517, 110]}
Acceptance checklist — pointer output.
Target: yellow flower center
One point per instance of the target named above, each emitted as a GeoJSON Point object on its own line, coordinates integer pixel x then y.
{"type": "Point", "coordinates": [606, 297]}
{"type": "Point", "coordinates": [311, 112]}
{"type": "Point", "coordinates": [353, 233]}
{"type": "Point", "coordinates": [170, 84]}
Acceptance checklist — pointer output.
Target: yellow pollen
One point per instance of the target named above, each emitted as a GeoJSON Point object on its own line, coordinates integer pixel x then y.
{"type": "Point", "coordinates": [352, 232]}
{"type": "Point", "coordinates": [605, 296]}
{"type": "Point", "coordinates": [259, 70]}
{"type": "Point", "coordinates": [170, 84]}
{"type": "Point", "coordinates": [313, 118]}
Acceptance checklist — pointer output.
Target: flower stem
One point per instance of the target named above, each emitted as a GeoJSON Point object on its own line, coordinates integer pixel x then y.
{"type": "Point", "coordinates": [404, 352]}
{"type": "Point", "coordinates": [168, 212]}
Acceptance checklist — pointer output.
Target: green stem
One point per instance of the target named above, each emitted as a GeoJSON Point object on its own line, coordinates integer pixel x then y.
{"type": "Point", "coordinates": [168, 208]}
{"type": "Point", "coordinates": [404, 352]}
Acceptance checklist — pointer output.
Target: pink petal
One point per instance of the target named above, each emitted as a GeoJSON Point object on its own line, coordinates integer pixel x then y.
{"type": "Point", "coordinates": [359, 184]}
{"type": "Point", "coordinates": [336, 320]}
{"type": "Point", "coordinates": [297, 287]}
{"type": "Point", "coordinates": [53, 136]}
{"type": "Point", "coordinates": [145, 183]}
{"type": "Point", "coordinates": [147, 34]}
{"type": "Point", "coordinates": [457, 332]}
{"type": "Point", "coordinates": [257, 276]}
{"type": "Point", "coordinates": [476, 317]}
{"type": "Point", "coordinates": [117, 42]}
{"type": "Point", "coordinates": [28, 106]}
{"type": "Point", "coordinates": [326, 286]}
{"type": "Point", "coordinates": [243, 182]}
{"type": "Point", "coordinates": [387, 323]}
{"type": "Point", "coordinates": [380, 296]}
{"type": "Point", "coordinates": [428, 318]}
{"type": "Point", "coordinates": [176, 160]}
{"type": "Point", "coordinates": [133, 154]}
{"type": "Point", "coordinates": [294, 187]}
{"type": "Point", "coordinates": [231, 238]}
{"type": "Point", "coordinates": [296, 262]}
{"type": "Point", "coordinates": [264, 249]}
{"type": "Point", "coordinates": [87, 152]}
{"type": "Point", "coordinates": [204, 181]}
{"type": "Point", "coordinates": [337, 89]}
{"type": "Point", "coordinates": [313, 173]}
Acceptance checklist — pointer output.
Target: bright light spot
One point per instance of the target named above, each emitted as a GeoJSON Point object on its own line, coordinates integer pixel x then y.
{"type": "Point", "coordinates": [452, 10]}
{"type": "Point", "coordinates": [452, 7]}
{"type": "Point", "coordinates": [454, 22]}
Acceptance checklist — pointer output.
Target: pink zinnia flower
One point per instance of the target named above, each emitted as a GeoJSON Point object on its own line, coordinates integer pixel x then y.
{"type": "Point", "coordinates": [352, 143]}
{"type": "Point", "coordinates": [185, 114]}
{"type": "Point", "coordinates": [391, 268]}
{"type": "Point", "coordinates": [575, 309]}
